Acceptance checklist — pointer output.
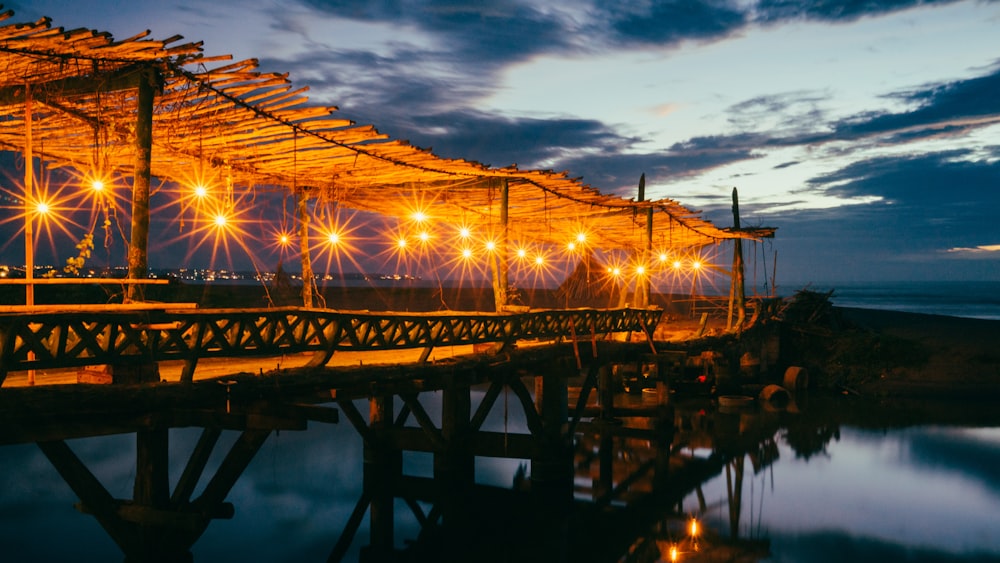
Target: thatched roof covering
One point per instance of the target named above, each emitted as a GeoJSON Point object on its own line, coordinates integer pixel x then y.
{"type": "Point", "coordinates": [247, 129]}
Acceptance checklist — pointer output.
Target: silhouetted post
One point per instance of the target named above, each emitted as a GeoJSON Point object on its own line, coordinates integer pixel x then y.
{"type": "Point", "coordinates": [644, 284]}
{"type": "Point", "coordinates": [382, 465]}
{"type": "Point", "coordinates": [151, 489]}
{"type": "Point", "coordinates": [454, 471]}
{"type": "Point", "coordinates": [552, 468]}
{"type": "Point", "coordinates": [737, 290]}
{"type": "Point", "coordinates": [138, 259]}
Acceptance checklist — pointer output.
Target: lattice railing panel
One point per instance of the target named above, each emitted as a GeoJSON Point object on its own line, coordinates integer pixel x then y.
{"type": "Point", "coordinates": [66, 339]}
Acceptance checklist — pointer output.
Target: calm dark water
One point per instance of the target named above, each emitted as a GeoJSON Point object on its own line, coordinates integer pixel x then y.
{"type": "Point", "coordinates": [834, 481]}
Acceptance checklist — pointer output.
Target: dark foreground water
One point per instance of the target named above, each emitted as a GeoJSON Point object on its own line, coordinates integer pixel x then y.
{"type": "Point", "coordinates": [828, 481]}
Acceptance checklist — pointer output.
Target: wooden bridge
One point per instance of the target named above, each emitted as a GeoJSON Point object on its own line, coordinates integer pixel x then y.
{"type": "Point", "coordinates": [61, 337]}
{"type": "Point", "coordinates": [162, 522]}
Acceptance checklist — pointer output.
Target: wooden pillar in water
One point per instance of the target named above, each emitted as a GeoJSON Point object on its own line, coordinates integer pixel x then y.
{"type": "Point", "coordinates": [552, 465]}
{"type": "Point", "coordinates": [454, 472]}
{"type": "Point", "coordinates": [138, 259]}
{"type": "Point", "coordinates": [383, 465]}
{"type": "Point", "coordinates": [151, 490]}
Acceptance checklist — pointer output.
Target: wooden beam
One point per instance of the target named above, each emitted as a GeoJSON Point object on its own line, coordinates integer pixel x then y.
{"type": "Point", "coordinates": [125, 78]}
{"type": "Point", "coordinates": [97, 500]}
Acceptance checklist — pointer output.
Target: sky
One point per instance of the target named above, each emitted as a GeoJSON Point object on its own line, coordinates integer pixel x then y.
{"type": "Point", "coordinates": [868, 133]}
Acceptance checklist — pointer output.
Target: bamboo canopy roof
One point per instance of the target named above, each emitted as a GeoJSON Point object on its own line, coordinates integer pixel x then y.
{"type": "Point", "coordinates": [227, 122]}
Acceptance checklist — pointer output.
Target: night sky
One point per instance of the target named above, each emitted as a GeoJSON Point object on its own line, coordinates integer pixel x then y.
{"type": "Point", "coordinates": [867, 132]}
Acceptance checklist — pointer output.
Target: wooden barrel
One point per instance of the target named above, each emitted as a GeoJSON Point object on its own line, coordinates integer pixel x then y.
{"type": "Point", "coordinates": [796, 378]}
{"type": "Point", "coordinates": [775, 395]}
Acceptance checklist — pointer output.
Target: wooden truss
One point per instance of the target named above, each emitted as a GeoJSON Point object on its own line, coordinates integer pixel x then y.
{"type": "Point", "coordinates": [45, 340]}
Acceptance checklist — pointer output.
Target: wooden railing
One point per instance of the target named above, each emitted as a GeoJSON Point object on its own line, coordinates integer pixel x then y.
{"type": "Point", "coordinates": [61, 338]}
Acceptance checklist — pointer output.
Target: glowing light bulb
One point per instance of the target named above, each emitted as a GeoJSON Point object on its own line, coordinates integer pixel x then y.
{"type": "Point", "coordinates": [663, 257]}
{"type": "Point", "coordinates": [693, 528]}
{"type": "Point", "coordinates": [42, 208]}
{"type": "Point", "coordinates": [200, 191]}
{"type": "Point", "coordinates": [464, 232]}
{"type": "Point", "coordinates": [521, 253]}
{"type": "Point", "coordinates": [97, 185]}
{"type": "Point", "coordinates": [491, 246]}
{"type": "Point", "coordinates": [696, 265]}
{"type": "Point", "coordinates": [616, 271]}
{"type": "Point", "coordinates": [220, 220]}
{"type": "Point", "coordinates": [673, 553]}
{"type": "Point", "coordinates": [466, 253]}
{"type": "Point", "coordinates": [640, 270]}
{"type": "Point", "coordinates": [677, 264]}
{"type": "Point", "coordinates": [283, 239]}
{"type": "Point", "coordinates": [571, 246]}
{"type": "Point", "coordinates": [581, 237]}
{"type": "Point", "coordinates": [334, 238]}
{"type": "Point", "coordinates": [539, 260]}
{"type": "Point", "coordinates": [424, 236]}
{"type": "Point", "coordinates": [401, 242]}
{"type": "Point", "coordinates": [419, 216]}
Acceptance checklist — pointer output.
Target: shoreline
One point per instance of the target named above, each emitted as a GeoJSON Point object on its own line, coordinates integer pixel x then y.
{"type": "Point", "coordinates": [887, 353]}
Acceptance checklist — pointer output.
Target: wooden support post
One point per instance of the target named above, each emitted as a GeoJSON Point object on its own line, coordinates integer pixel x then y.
{"type": "Point", "coordinates": [738, 292]}
{"type": "Point", "coordinates": [308, 278]}
{"type": "Point", "coordinates": [29, 196]}
{"type": "Point", "coordinates": [605, 466]}
{"type": "Point", "coordinates": [383, 466]}
{"type": "Point", "coordinates": [454, 472]}
{"type": "Point", "coordinates": [151, 490]}
{"type": "Point", "coordinates": [606, 391]}
{"type": "Point", "coordinates": [643, 289]}
{"type": "Point", "coordinates": [195, 466]}
{"type": "Point", "coordinates": [499, 262]}
{"type": "Point", "coordinates": [552, 466]}
{"type": "Point", "coordinates": [138, 259]}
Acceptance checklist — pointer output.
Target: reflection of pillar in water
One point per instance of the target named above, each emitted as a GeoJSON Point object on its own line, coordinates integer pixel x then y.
{"type": "Point", "coordinates": [734, 492]}
{"type": "Point", "coordinates": [454, 471]}
{"type": "Point", "coordinates": [381, 466]}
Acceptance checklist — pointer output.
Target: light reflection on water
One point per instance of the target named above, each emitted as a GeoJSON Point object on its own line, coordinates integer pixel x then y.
{"type": "Point", "coordinates": [919, 493]}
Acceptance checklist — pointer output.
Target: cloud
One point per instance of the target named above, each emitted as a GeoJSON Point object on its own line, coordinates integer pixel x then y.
{"type": "Point", "coordinates": [976, 250]}
{"type": "Point", "coordinates": [771, 11]}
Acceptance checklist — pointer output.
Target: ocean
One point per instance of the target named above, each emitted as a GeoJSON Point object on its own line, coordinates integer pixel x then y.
{"type": "Point", "coordinates": [971, 299]}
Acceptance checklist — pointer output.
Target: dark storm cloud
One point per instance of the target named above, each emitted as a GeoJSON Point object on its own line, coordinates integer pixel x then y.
{"type": "Point", "coordinates": [427, 93]}
{"type": "Point", "coordinates": [500, 141]}
{"type": "Point", "coordinates": [945, 108]}
{"type": "Point", "coordinates": [920, 180]}
{"type": "Point", "coordinates": [771, 11]}
{"type": "Point", "coordinates": [470, 33]}
{"type": "Point", "coordinates": [668, 23]}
